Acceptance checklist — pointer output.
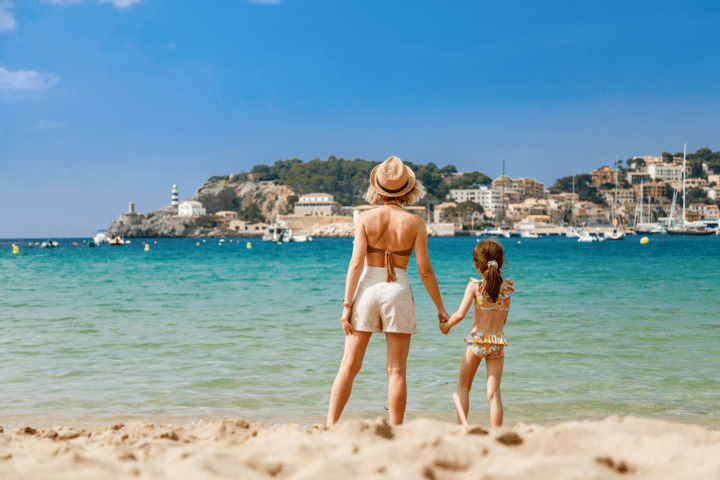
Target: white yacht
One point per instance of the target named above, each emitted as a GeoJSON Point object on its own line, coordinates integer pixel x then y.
{"type": "Point", "coordinates": [278, 232]}
{"type": "Point", "coordinates": [101, 237]}
{"type": "Point", "coordinates": [573, 232]}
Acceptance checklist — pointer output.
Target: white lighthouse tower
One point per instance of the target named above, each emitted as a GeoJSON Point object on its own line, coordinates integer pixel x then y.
{"type": "Point", "coordinates": [174, 202]}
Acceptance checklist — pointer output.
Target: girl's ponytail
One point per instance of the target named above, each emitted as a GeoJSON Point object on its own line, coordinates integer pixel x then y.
{"type": "Point", "coordinates": [489, 257]}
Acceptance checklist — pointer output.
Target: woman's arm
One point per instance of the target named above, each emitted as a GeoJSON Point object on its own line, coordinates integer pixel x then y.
{"type": "Point", "coordinates": [353, 275]}
{"type": "Point", "coordinates": [427, 275]}
{"type": "Point", "coordinates": [462, 309]}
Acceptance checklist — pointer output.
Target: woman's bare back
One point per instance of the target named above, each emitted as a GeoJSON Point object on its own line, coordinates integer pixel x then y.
{"type": "Point", "coordinates": [389, 228]}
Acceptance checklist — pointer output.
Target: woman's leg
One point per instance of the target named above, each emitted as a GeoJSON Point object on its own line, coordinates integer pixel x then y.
{"type": "Point", "coordinates": [398, 346]}
{"type": "Point", "coordinates": [494, 375]}
{"type": "Point", "coordinates": [468, 366]}
{"type": "Point", "coordinates": [355, 346]}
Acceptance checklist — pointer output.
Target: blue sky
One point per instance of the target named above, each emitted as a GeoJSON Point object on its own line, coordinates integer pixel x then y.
{"type": "Point", "coordinates": [103, 102]}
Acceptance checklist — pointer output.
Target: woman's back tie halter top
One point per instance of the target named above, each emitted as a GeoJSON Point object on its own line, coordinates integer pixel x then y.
{"type": "Point", "coordinates": [388, 260]}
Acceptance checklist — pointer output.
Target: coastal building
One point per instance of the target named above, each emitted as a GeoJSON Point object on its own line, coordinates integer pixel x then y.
{"type": "Point", "coordinates": [131, 209]}
{"type": "Point", "coordinates": [522, 188]}
{"type": "Point", "coordinates": [532, 207]}
{"type": "Point", "coordinates": [563, 198]}
{"type": "Point", "coordinates": [190, 208]}
{"type": "Point", "coordinates": [624, 196]}
{"type": "Point", "coordinates": [242, 226]}
{"type": "Point", "coordinates": [315, 204]}
{"type": "Point", "coordinates": [714, 179]}
{"type": "Point", "coordinates": [694, 182]}
{"type": "Point", "coordinates": [650, 190]}
{"type": "Point", "coordinates": [636, 178]}
{"type": "Point", "coordinates": [713, 193]}
{"type": "Point", "coordinates": [604, 175]}
{"type": "Point", "coordinates": [667, 173]}
{"type": "Point", "coordinates": [489, 198]}
{"type": "Point", "coordinates": [705, 212]}
{"type": "Point", "coordinates": [586, 212]}
{"type": "Point", "coordinates": [439, 211]}
{"type": "Point", "coordinates": [226, 215]}
{"type": "Point", "coordinates": [174, 196]}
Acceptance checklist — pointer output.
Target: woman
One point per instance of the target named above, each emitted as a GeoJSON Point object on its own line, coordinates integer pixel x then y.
{"type": "Point", "coordinates": [381, 299]}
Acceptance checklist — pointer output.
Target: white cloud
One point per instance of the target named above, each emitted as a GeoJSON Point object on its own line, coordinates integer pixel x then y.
{"type": "Point", "coordinates": [264, 1]}
{"type": "Point", "coordinates": [120, 3]}
{"type": "Point", "coordinates": [7, 18]}
{"type": "Point", "coordinates": [50, 125]}
{"type": "Point", "coordinates": [26, 80]}
{"type": "Point", "coordinates": [117, 3]}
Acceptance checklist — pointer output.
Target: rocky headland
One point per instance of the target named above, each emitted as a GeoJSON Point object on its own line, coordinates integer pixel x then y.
{"type": "Point", "coordinates": [216, 195]}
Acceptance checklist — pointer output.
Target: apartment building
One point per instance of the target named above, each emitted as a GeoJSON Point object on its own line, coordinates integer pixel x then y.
{"type": "Point", "coordinates": [521, 188]}
{"type": "Point", "coordinates": [490, 199]}
{"type": "Point", "coordinates": [624, 196]}
{"type": "Point", "coordinates": [704, 212]}
{"type": "Point", "coordinates": [636, 178]}
{"type": "Point", "coordinates": [650, 189]}
{"type": "Point", "coordinates": [667, 173]}
{"type": "Point", "coordinates": [604, 175]}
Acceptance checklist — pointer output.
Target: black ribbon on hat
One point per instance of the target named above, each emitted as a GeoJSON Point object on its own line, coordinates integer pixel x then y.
{"type": "Point", "coordinates": [389, 190]}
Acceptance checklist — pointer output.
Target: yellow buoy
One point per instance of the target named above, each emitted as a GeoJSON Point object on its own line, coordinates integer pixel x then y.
{"type": "Point", "coordinates": [249, 245]}
{"type": "Point", "coordinates": [147, 246]}
{"type": "Point", "coordinates": [644, 240]}
{"type": "Point", "coordinates": [16, 249]}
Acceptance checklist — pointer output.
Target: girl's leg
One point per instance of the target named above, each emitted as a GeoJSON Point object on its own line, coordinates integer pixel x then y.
{"type": "Point", "coordinates": [355, 346]}
{"type": "Point", "coordinates": [494, 375]}
{"type": "Point", "coordinates": [468, 367]}
{"type": "Point", "coordinates": [398, 347]}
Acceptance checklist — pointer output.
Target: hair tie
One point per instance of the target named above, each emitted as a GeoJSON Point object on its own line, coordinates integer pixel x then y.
{"type": "Point", "coordinates": [492, 263]}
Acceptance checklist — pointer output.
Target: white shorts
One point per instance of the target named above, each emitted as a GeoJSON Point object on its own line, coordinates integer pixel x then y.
{"type": "Point", "coordinates": [381, 306]}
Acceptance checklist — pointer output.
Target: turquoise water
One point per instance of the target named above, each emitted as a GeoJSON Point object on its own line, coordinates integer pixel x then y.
{"type": "Point", "coordinates": [184, 331]}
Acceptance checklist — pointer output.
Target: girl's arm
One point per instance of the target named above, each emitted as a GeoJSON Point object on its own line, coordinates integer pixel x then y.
{"type": "Point", "coordinates": [462, 309]}
{"type": "Point", "coordinates": [353, 275]}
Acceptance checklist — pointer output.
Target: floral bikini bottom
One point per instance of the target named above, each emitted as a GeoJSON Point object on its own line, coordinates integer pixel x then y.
{"type": "Point", "coordinates": [486, 346]}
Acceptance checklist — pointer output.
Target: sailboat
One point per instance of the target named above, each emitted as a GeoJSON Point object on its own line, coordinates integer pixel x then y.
{"type": "Point", "coordinates": [615, 233]}
{"type": "Point", "coordinates": [685, 230]}
{"type": "Point", "coordinates": [643, 227]}
{"type": "Point", "coordinates": [572, 232]}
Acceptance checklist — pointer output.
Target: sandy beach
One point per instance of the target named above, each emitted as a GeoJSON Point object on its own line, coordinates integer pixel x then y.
{"type": "Point", "coordinates": [616, 447]}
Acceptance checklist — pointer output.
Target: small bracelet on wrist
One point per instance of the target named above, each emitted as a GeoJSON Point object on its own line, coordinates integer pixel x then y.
{"type": "Point", "coordinates": [348, 304]}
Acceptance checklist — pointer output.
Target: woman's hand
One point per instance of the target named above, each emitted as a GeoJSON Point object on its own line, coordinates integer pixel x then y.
{"type": "Point", "coordinates": [345, 319]}
{"type": "Point", "coordinates": [443, 316]}
{"type": "Point", "coordinates": [445, 327]}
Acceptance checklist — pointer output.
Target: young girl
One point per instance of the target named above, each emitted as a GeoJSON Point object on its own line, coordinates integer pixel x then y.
{"type": "Point", "coordinates": [491, 298]}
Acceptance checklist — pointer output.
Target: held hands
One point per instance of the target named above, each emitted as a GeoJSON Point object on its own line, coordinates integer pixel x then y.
{"type": "Point", "coordinates": [443, 317]}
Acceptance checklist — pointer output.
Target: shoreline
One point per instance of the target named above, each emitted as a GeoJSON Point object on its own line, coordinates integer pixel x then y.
{"type": "Point", "coordinates": [421, 448]}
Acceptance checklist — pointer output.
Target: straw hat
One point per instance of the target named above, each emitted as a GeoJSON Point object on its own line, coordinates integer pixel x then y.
{"type": "Point", "coordinates": [392, 178]}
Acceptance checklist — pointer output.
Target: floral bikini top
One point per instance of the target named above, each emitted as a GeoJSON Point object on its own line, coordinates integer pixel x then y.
{"type": "Point", "coordinates": [483, 301]}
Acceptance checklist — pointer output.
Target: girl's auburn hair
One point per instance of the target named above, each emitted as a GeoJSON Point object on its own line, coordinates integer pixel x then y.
{"type": "Point", "coordinates": [486, 251]}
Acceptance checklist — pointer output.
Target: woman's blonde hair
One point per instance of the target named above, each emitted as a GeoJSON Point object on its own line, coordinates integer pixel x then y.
{"type": "Point", "coordinates": [413, 196]}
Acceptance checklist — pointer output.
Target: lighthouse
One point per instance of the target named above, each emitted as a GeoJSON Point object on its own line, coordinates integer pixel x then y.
{"type": "Point", "coordinates": [174, 202]}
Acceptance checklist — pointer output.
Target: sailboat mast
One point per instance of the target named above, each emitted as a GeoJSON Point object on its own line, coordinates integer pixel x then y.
{"type": "Point", "coordinates": [572, 201]}
{"type": "Point", "coordinates": [683, 219]}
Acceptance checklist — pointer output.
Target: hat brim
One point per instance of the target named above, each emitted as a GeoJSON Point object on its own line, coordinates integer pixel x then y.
{"type": "Point", "coordinates": [392, 193]}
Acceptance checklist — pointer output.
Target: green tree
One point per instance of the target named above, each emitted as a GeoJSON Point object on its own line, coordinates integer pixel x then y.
{"type": "Point", "coordinates": [252, 214]}
{"type": "Point", "coordinates": [262, 173]}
